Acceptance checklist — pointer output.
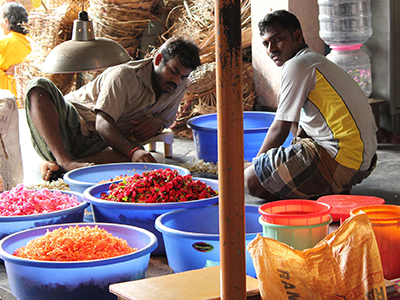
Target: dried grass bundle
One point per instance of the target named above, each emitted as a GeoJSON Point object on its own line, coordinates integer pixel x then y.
{"type": "Point", "coordinates": [201, 96]}
{"type": "Point", "coordinates": [196, 19]}
{"type": "Point", "coordinates": [48, 27]}
{"type": "Point", "coordinates": [170, 4]}
{"type": "Point", "coordinates": [123, 21]}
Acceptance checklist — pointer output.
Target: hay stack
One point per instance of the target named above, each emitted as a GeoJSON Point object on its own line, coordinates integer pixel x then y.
{"type": "Point", "coordinates": [196, 19]}
{"type": "Point", "coordinates": [123, 21]}
{"type": "Point", "coordinates": [48, 26]}
{"type": "Point", "coordinates": [201, 97]}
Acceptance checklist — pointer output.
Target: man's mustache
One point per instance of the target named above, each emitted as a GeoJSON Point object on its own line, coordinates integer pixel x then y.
{"type": "Point", "coordinates": [173, 84]}
{"type": "Point", "coordinates": [275, 53]}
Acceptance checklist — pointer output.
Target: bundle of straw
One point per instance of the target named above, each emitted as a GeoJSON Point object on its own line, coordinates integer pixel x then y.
{"type": "Point", "coordinates": [123, 21]}
{"type": "Point", "coordinates": [201, 96]}
{"type": "Point", "coordinates": [48, 27]}
{"type": "Point", "coordinates": [196, 19]}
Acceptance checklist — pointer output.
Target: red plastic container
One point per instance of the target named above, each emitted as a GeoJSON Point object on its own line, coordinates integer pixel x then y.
{"type": "Point", "coordinates": [297, 212]}
{"type": "Point", "coordinates": [343, 204]}
{"type": "Point", "coordinates": [385, 220]}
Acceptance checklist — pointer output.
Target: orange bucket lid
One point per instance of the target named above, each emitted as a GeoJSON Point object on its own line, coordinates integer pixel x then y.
{"type": "Point", "coordinates": [343, 204]}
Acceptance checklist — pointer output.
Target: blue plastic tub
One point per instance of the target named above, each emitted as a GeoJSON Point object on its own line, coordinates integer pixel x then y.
{"type": "Point", "coordinates": [255, 127]}
{"type": "Point", "coordinates": [12, 224]}
{"type": "Point", "coordinates": [140, 214]}
{"type": "Point", "coordinates": [191, 237]}
{"type": "Point", "coordinates": [81, 280]}
{"type": "Point", "coordinates": [80, 179]}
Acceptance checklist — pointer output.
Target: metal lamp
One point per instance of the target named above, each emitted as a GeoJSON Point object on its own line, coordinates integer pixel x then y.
{"type": "Point", "coordinates": [84, 52]}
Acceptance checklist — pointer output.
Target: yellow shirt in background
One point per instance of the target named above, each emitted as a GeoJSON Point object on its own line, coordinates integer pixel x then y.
{"type": "Point", "coordinates": [14, 47]}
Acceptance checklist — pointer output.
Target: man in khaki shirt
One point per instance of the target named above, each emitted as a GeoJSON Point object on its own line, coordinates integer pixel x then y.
{"type": "Point", "coordinates": [105, 120]}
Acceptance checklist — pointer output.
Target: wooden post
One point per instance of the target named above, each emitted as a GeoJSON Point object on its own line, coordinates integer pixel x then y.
{"type": "Point", "coordinates": [230, 148]}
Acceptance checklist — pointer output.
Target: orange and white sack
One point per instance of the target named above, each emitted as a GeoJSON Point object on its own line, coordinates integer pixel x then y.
{"type": "Point", "coordinates": [344, 265]}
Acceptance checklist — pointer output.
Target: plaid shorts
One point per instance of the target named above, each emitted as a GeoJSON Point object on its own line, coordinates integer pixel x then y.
{"type": "Point", "coordinates": [304, 170]}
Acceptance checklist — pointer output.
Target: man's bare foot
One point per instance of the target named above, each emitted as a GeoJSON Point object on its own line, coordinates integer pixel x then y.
{"type": "Point", "coordinates": [50, 170]}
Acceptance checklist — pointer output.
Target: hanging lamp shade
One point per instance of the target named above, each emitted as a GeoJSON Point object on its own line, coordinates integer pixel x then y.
{"type": "Point", "coordinates": [84, 52]}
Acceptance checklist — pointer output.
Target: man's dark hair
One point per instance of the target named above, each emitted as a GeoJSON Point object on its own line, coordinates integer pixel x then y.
{"type": "Point", "coordinates": [281, 18]}
{"type": "Point", "coordinates": [16, 15]}
{"type": "Point", "coordinates": [187, 52]}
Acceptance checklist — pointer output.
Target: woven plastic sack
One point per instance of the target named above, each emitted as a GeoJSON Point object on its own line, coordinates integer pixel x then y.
{"type": "Point", "coordinates": [344, 265]}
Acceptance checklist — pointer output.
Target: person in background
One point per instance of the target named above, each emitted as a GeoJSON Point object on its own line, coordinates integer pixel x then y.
{"type": "Point", "coordinates": [106, 120]}
{"type": "Point", "coordinates": [14, 44]}
{"type": "Point", "coordinates": [328, 113]}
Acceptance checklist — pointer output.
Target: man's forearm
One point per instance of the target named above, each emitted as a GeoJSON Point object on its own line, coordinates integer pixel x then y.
{"type": "Point", "coordinates": [113, 136]}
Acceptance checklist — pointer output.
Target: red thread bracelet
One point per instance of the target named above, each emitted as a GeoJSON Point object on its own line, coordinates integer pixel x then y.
{"type": "Point", "coordinates": [133, 151]}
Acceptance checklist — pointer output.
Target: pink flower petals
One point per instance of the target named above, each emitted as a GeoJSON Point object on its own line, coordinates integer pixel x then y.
{"type": "Point", "coordinates": [21, 202]}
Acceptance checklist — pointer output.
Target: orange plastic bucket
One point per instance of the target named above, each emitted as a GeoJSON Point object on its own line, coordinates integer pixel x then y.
{"type": "Point", "coordinates": [385, 221]}
{"type": "Point", "coordinates": [296, 212]}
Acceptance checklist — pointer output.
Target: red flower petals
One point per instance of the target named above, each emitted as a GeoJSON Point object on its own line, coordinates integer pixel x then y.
{"type": "Point", "coordinates": [158, 186]}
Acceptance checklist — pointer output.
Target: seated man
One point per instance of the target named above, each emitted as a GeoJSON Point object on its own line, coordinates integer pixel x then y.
{"type": "Point", "coordinates": [325, 108]}
{"type": "Point", "coordinates": [105, 120]}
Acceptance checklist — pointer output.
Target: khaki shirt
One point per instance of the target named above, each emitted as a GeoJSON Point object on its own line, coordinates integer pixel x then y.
{"type": "Point", "coordinates": [125, 93]}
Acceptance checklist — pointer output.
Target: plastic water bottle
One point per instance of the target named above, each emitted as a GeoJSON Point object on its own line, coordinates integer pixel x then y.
{"type": "Point", "coordinates": [344, 22]}
{"type": "Point", "coordinates": [356, 62]}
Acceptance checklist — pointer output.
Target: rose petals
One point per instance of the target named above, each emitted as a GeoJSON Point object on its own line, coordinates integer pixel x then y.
{"type": "Point", "coordinates": [158, 186]}
{"type": "Point", "coordinates": [21, 202]}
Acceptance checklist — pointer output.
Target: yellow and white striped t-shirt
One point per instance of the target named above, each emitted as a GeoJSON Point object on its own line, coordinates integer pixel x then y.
{"type": "Point", "coordinates": [330, 106]}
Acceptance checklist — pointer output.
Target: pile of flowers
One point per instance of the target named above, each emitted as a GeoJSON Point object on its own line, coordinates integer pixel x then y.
{"type": "Point", "coordinates": [21, 202]}
{"type": "Point", "coordinates": [158, 186]}
{"type": "Point", "coordinates": [74, 244]}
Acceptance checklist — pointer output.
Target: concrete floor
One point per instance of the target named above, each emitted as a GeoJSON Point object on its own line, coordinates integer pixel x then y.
{"type": "Point", "coordinates": [383, 182]}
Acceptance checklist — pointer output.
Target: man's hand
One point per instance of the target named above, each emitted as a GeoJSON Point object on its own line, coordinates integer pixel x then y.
{"type": "Point", "coordinates": [113, 136]}
{"type": "Point", "coordinates": [276, 135]}
{"type": "Point", "coordinates": [247, 164]}
{"type": "Point", "coordinates": [145, 128]}
{"type": "Point", "coordinates": [142, 156]}
{"type": "Point", "coordinates": [11, 70]}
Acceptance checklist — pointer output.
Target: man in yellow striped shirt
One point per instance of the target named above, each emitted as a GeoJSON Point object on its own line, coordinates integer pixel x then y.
{"type": "Point", "coordinates": [324, 107]}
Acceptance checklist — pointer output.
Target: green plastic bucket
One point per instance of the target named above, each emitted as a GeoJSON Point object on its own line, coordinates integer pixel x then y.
{"type": "Point", "coordinates": [299, 237]}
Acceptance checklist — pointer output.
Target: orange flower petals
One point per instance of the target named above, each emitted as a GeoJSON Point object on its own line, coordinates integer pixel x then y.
{"type": "Point", "coordinates": [77, 243]}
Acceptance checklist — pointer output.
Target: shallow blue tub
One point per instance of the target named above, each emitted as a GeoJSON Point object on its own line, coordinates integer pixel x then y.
{"type": "Point", "coordinates": [79, 280]}
{"type": "Point", "coordinates": [80, 179]}
{"type": "Point", "coordinates": [12, 224]}
{"type": "Point", "coordinates": [140, 214]}
{"type": "Point", "coordinates": [255, 128]}
{"type": "Point", "coordinates": [191, 237]}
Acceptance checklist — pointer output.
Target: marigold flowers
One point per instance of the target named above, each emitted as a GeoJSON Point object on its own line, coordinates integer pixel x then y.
{"type": "Point", "coordinates": [77, 243]}
{"type": "Point", "coordinates": [158, 186]}
{"type": "Point", "coordinates": [20, 201]}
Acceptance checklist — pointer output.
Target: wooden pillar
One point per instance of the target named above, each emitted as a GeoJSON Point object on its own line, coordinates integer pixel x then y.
{"type": "Point", "coordinates": [230, 149]}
